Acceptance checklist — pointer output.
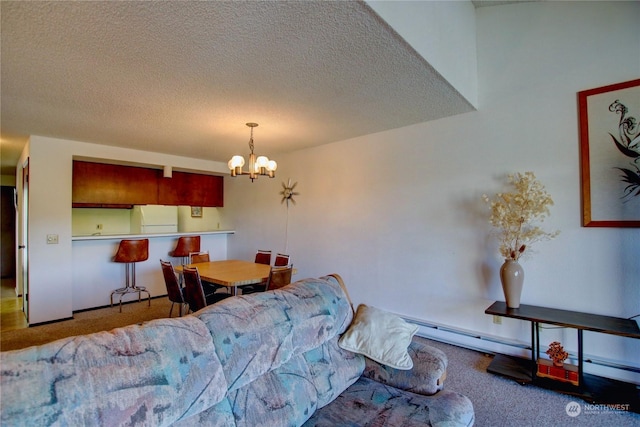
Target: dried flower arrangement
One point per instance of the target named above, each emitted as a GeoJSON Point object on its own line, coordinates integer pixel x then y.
{"type": "Point", "coordinates": [556, 353]}
{"type": "Point", "coordinates": [514, 214]}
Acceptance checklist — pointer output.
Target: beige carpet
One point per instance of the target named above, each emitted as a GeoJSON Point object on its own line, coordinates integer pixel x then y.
{"type": "Point", "coordinates": [501, 402]}
{"type": "Point", "coordinates": [87, 322]}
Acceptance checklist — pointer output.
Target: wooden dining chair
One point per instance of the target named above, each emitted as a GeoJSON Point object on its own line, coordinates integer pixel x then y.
{"type": "Point", "coordinates": [279, 277]}
{"type": "Point", "coordinates": [209, 287]}
{"type": "Point", "coordinates": [195, 257]}
{"type": "Point", "coordinates": [174, 292]}
{"type": "Point", "coordinates": [282, 260]}
{"type": "Point", "coordinates": [194, 293]}
{"type": "Point", "coordinates": [263, 257]}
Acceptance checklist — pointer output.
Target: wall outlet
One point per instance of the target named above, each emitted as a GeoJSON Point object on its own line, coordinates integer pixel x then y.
{"type": "Point", "coordinates": [52, 239]}
{"type": "Point", "coordinates": [497, 320]}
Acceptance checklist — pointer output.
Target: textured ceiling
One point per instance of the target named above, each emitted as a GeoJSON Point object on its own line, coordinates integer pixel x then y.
{"type": "Point", "coordinates": [184, 77]}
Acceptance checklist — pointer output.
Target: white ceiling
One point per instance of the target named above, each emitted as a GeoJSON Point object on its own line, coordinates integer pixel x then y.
{"type": "Point", "coordinates": [184, 77]}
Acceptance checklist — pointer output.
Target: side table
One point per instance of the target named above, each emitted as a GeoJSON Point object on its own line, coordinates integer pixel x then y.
{"type": "Point", "coordinates": [590, 387]}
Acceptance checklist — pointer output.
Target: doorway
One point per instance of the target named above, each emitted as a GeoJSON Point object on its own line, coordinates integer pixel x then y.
{"type": "Point", "coordinates": [8, 233]}
{"type": "Point", "coordinates": [11, 312]}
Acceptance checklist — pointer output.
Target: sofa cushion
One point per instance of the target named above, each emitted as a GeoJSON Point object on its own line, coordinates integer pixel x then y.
{"type": "Point", "coordinates": [332, 370]}
{"type": "Point", "coordinates": [426, 377]}
{"type": "Point", "coordinates": [370, 403]}
{"type": "Point", "coordinates": [153, 374]}
{"type": "Point", "coordinates": [381, 336]}
{"type": "Point", "coordinates": [289, 394]}
{"type": "Point", "coordinates": [258, 333]}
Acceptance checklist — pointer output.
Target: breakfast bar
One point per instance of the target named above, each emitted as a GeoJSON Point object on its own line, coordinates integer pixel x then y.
{"type": "Point", "coordinates": [95, 275]}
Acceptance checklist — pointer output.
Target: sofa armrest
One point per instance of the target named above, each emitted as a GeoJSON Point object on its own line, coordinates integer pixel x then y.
{"type": "Point", "coordinates": [426, 377]}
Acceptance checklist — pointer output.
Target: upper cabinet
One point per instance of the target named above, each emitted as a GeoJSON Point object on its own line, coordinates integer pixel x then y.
{"type": "Point", "coordinates": [105, 185]}
{"type": "Point", "coordinates": [99, 184]}
{"type": "Point", "coordinates": [191, 189]}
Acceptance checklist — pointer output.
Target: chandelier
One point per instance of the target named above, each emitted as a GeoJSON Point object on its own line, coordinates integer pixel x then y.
{"type": "Point", "coordinates": [260, 165]}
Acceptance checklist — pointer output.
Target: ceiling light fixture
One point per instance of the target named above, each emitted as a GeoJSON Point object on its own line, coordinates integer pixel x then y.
{"type": "Point", "coordinates": [257, 166]}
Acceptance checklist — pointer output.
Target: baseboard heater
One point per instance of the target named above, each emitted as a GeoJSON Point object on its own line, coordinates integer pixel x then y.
{"type": "Point", "coordinates": [510, 343]}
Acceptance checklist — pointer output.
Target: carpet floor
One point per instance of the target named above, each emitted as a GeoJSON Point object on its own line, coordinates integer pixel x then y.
{"type": "Point", "coordinates": [87, 322]}
{"type": "Point", "coordinates": [499, 401]}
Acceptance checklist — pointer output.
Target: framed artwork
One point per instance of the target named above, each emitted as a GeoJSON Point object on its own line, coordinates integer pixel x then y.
{"type": "Point", "coordinates": [610, 155]}
{"type": "Point", "coordinates": [196, 211]}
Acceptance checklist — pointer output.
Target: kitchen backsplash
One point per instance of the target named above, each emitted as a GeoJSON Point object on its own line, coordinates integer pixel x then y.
{"type": "Point", "coordinates": [209, 221]}
{"type": "Point", "coordinates": [89, 221]}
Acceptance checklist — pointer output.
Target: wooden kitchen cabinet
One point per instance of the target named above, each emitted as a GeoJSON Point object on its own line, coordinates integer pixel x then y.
{"type": "Point", "coordinates": [191, 189]}
{"type": "Point", "coordinates": [116, 186]}
{"type": "Point", "coordinates": [105, 185]}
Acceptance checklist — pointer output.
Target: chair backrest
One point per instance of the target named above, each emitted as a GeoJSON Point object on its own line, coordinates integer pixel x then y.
{"type": "Point", "coordinates": [132, 251]}
{"type": "Point", "coordinates": [282, 260]}
{"type": "Point", "coordinates": [171, 281]}
{"type": "Point", "coordinates": [193, 292]}
{"type": "Point", "coordinates": [279, 277]}
{"type": "Point", "coordinates": [263, 257]}
{"type": "Point", "coordinates": [186, 245]}
{"type": "Point", "coordinates": [195, 257]}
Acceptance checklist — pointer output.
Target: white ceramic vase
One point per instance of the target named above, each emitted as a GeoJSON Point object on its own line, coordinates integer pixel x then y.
{"type": "Point", "coordinates": [512, 278]}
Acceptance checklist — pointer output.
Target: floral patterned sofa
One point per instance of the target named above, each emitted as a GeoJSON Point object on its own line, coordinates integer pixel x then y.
{"type": "Point", "coordinates": [266, 359]}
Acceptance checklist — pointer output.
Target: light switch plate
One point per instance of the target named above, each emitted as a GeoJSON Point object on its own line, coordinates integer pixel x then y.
{"type": "Point", "coordinates": [52, 239]}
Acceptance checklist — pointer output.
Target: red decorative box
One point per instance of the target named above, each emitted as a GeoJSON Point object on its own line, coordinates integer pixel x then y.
{"type": "Point", "coordinates": [567, 373]}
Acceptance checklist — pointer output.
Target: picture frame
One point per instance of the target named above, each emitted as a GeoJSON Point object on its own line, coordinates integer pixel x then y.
{"type": "Point", "coordinates": [609, 120]}
{"type": "Point", "coordinates": [196, 211]}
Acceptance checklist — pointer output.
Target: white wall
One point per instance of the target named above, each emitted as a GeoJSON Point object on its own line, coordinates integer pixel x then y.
{"type": "Point", "coordinates": [399, 214]}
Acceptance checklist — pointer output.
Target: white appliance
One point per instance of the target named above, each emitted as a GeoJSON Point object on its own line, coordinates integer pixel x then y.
{"type": "Point", "coordinates": [154, 219]}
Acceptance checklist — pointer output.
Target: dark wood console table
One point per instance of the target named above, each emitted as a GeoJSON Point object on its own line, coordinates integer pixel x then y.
{"type": "Point", "coordinates": [591, 388]}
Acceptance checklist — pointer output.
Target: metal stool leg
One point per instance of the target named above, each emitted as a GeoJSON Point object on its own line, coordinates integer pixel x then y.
{"type": "Point", "coordinates": [130, 286]}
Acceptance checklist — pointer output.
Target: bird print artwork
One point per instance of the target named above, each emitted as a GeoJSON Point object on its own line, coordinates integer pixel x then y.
{"type": "Point", "coordinates": [288, 193]}
{"type": "Point", "coordinates": [629, 145]}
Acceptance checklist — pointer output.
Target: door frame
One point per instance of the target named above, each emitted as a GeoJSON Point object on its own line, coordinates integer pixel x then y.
{"type": "Point", "coordinates": [22, 249]}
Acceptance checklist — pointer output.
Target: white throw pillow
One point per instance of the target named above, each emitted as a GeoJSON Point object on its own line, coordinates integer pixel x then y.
{"type": "Point", "coordinates": [381, 336]}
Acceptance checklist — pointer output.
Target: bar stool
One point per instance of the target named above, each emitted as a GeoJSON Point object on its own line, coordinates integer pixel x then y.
{"type": "Point", "coordinates": [130, 252]}
{"type": "Point", "coordinates": [185, 246]}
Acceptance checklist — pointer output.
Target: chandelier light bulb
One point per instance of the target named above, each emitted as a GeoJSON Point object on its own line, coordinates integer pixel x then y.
{"type": "Point", "coordinates": [262, 161]}
{"type": "Point", "coordinates": [236, 161]}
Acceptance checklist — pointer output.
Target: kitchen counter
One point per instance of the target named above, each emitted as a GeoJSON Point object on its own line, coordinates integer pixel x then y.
{"type": "Point", "coordinates": [149, 236]}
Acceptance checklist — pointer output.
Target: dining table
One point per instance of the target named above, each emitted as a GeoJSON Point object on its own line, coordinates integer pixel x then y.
{"type": "Point", "coordinates": [231, 273]}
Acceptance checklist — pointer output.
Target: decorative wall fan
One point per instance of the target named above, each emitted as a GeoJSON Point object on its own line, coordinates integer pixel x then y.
{"type": "Point", "coordinates": [288, 193]}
